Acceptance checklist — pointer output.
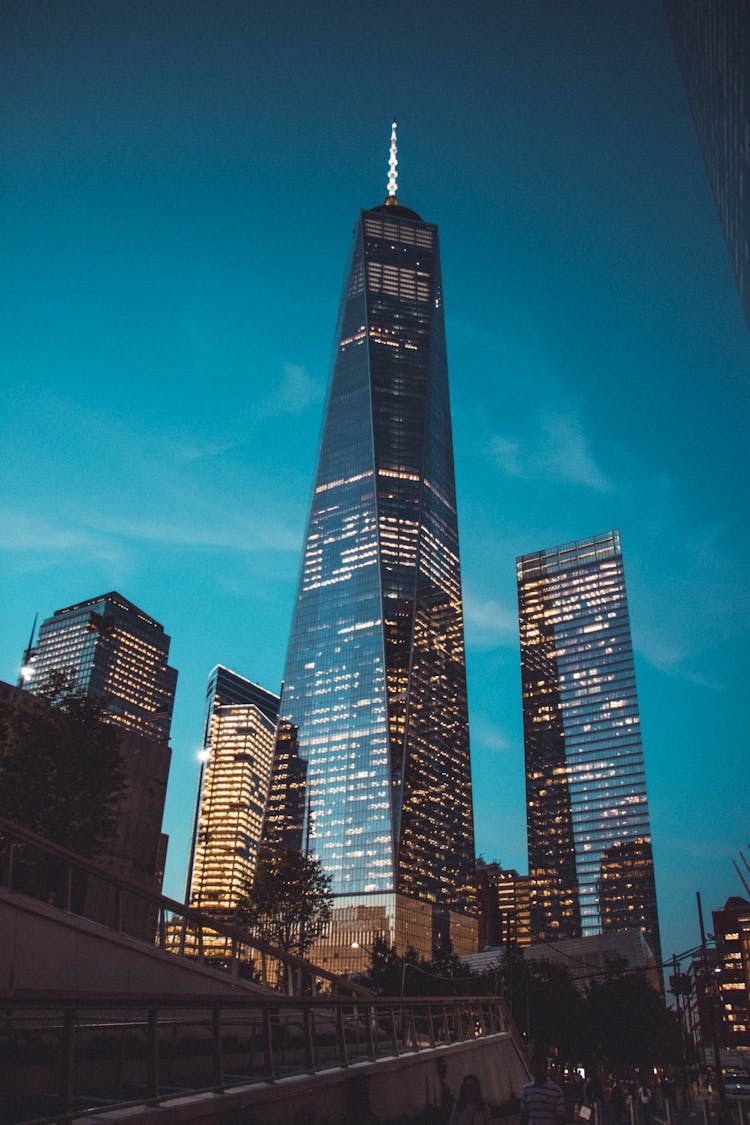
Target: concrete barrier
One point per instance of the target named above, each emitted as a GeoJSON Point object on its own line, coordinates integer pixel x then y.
{"type": "Point", "coordinates": [364, 1093]}
{"type": "Point", "coordinates": [43, 949]}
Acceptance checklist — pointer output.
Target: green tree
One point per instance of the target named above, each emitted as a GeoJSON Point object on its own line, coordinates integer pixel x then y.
{"type": "Point", "coordinates": [628, 1023]}
{"type": "Point", "coordinates": [61, 771]}
{"type": "Point", "coordinates": [288, 903]}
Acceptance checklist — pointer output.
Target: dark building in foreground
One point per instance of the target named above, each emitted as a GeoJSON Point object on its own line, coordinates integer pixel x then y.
{"type": "Point", "coordinates": [110, 649]}
{"type": "Point", "coordinates": [375, 678]}
{"type": "Point", "coordinates": [589, 839]}
{"type": "Point", "coordinates": [284, 822]}
{"type": "Point", "coordinates": [712, 43]}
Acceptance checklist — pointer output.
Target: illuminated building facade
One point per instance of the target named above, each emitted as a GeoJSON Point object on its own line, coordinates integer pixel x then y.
{"type": "Point", "coordinates": [589, 838]}
{"type": "Point", "coordinates": [732, 978]}
{"type": "Point", "coordinates": [236, 762]}
{"type": "Point", "coordinates": [375, 676]}
{"type": "Point", "coordinates": [111, 650]}
{"type": "Point", "coordinates": [504, 906]}
{"type": "Point", "coordinates": [712, 43]}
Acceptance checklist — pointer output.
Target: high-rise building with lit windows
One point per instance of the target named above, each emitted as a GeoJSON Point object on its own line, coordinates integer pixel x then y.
{"type": "Point", "coordinates": [589, 838]}
{"type": "Point", "coordinates": [110, 649]}
{"type": "Point", "coordinates": [236, 763]}
{"type": "Point", "coordinates": [375, 676]}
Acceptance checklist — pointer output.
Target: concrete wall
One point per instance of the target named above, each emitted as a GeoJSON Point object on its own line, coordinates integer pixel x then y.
{"type": "Point", "coordinates": [44, 949]}
{"type": "Point", "coordinates": [358, 1095]}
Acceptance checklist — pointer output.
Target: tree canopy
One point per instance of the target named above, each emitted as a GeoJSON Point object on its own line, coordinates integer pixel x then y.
{"type": "Point", "coordinates": [288, 903]}
{"type": "Point", "coordinates": [61, 772]}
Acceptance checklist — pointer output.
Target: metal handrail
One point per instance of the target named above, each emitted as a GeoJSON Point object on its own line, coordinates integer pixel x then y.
{"type": "Point", "coordinates": [114, 1051]}
{"type": "Point", "coordinates": [170, 936]}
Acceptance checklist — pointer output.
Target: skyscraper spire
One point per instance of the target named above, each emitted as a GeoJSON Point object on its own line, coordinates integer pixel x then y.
{"type": "Point", "coordinates": [392, 168]}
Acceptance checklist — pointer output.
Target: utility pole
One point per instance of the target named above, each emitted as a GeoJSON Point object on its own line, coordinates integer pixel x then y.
{"type": "Point", "coordinates": [677, 982]}
{"type": "Point", "coordinates": [709, 998]}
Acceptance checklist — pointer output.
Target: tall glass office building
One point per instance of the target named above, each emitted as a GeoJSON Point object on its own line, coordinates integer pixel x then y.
{"type": "Point", "coordinates": [589, 837]}
{"type": "Point", "coordinates": [375, 676]}
{"type": "Point", "coordinates": [236, 764]}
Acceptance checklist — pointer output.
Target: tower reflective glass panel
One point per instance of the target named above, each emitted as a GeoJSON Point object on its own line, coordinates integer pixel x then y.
{"type": "Point", "coordinates": [590, 859]}
{"type": "Point", "coordinates": [111, 649]}
{"type": "Point", "coordinates": [236, 763]}
{"type": "Point", "coordinates": [375, 676]}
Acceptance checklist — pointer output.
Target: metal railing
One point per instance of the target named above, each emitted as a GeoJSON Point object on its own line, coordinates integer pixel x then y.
{"type": "Point", "coordinates": [79, 1055]}
{"type": "Point", "coordinates": [40, 869]}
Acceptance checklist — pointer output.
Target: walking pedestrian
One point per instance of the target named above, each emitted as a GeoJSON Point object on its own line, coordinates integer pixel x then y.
{"type": "Point", "coordinates": [542, 1099]}
{"type": "Point", "coordinates": [470, 1109]}
{"type": "Point", "coordinates": [644, 1104]}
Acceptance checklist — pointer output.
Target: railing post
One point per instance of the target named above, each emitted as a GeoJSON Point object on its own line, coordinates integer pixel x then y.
{"type": "Point", "coordinates": [371, 1046]}
{"type": "Point", "coordinates": [308, 1024]}
{"type": "Point", "coordinates": [413, 1028]}
{"type": "Point", "coordinates": [235, 966]}
{"type": "Point", "coordinates": [341, 1036]}
{"type": "Point", "coordinates": [11, 856]}
{"type": "Point", "coordinates": [268, 1045]}
{"type": "Point", "coordinates": [152, 1074]}
{"type": "Point", "coordinates": [69, 888]}
{"type": "Point", "coordinates": [431, 1026]}
{"type": "Point", "coordinates": [218, 1061]}
{"type": "Point", "coordinates": [67, 1062]}
{"type": "Point", "coordinates": [394, 1033]}
{"type": "Point", "coordinates": [162, 928]}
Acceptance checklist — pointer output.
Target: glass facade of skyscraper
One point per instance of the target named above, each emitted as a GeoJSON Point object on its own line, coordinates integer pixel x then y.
{"type": "Point", "coordinates": [110, 649]}
{"type": "Point", "coordinates": [712, 42]}
{"type": "Point", "coordinates": [590, 859]}
{"type": "Point", "coordinates": [375, 676]}
{"type": "Point", "coordinates": [234, 781]}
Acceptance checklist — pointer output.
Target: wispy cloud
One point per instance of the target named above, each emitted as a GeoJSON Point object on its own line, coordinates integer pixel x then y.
{"type": "Point", "coordinates": [554, 448]}
{"type": "Point", "coordinates": [296, 391]}
{"type": "Point", "coordinates": [490, 623]}
{"type": "Point", "coordinates": [489, 736]}
{"type": "Point", "coordinates": [23, 533]}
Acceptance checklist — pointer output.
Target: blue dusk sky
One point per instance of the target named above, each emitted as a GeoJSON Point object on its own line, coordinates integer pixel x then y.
{"type": "Point", "coordinates": [180, 183]}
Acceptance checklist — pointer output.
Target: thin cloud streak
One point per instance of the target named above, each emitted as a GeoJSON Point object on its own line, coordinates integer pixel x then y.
{"type": "Point", "coordinates": [84, 535]}
{"type": "Point", "coordinates": [297, 391]}
{"type": "Point", "coordinates": [490, 623]}
{"type": "Point", "coordinates": [556, 449]}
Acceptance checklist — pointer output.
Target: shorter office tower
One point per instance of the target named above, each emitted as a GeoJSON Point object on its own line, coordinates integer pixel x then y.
{"type": "Point", "coordinates": [283, 826]}
{"type": "Point", "coordinates": [504, 899]}
{"type": "Point", "coordinates": [112, 650]}
{"type": "Point", "coordinates": [236, 763]}
{"type": "Point", "coordinates": [109, 649]}
{"type": "Point", "coordinates": [589, 836]}
{"type": "Point", "coordinates": [732, 932]}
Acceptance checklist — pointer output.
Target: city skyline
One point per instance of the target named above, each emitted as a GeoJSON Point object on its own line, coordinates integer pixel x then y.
{"type": "Point", "coordinates": [169, 310]}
